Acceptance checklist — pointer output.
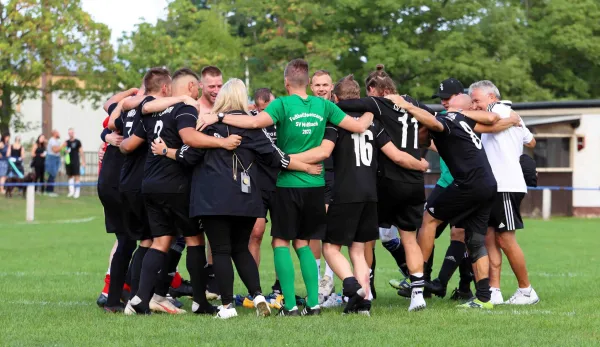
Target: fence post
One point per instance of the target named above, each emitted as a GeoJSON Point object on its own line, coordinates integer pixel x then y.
{"type": "Point", "coordinates": [30, 201]}
{"type": "Point", "coordinates": [546, 203]}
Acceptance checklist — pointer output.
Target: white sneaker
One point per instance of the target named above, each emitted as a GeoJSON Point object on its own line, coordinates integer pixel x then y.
{"type": "Point", "coordinates": [417, 302]}
{"type": "Point", "coordinates": [162, 304]}
{"type": "Point", "coordinates": [496, 296]}
{"type": "Point", "coordinates": [326, 288]}
{"type": "Point", "coordinates": [333, 300]}
{"type": "Point", "coordinates": [226, 312]}
{"type": "Point", "coordinates": [521, 297]}
{"type": "Point", "coordinates": [262, 307]}
{"type": "Point", "coordinates": [76, 195]}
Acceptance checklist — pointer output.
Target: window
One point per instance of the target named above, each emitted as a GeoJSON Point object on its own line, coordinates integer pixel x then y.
{"type": "Point", "coordinates": [551, 152]}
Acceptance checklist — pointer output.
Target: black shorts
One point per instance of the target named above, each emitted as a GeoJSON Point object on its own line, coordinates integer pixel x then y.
{"type": "Point", "coordinates": [72, 169]}
{"type": "Point", "coordinates": [135, 216]}
{"type": "Point", "coordinates": [268, 199]}
{"type": "Point", "coordinates": [506, 212]}
{"type": "Point", "coordinates": [400, 204]}
{"type": "Point", "coordinates": [352, 222]}
{"type": "Point", "coordinates": [328, 187]}
{"type": "Point", "coordinates": [169, 214]}
{"type": "Point", "coordinates": [465, 208]}
{"type": "Point", "coordinates": [437, 190]}
{"type": "Point", "coordinates": [299, 213]}
{"type": "Point", "coordinates": [113, 209]}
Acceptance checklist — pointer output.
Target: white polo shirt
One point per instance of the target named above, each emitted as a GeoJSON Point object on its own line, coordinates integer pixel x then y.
{"type": "Point", "coordinates": [504, 150]}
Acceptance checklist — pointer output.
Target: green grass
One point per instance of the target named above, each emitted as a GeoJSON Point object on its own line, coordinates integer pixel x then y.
{"type": "Point", "coordinates": [51, 273]}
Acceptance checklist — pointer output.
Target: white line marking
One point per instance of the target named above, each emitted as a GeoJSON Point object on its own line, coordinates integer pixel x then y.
{"type": "Point", "coordinates": [63, 221]}
{"type": "Point", "coordinates": [27, 274]}
{"type": "Point", "coordinates": [44, 303]}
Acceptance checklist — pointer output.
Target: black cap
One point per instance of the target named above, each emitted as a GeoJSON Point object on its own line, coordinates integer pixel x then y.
{"type": "Point", "coordinates": [449, 87]}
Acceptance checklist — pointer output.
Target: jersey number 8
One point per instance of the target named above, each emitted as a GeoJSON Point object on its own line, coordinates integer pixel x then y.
{"type": "Point", "coordinates": [474, 138]}
{"type": "Point", "coordinates": [363, 149]}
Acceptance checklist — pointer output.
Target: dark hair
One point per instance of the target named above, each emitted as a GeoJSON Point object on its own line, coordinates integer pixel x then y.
{"type": "Point", "coordinates": [155, 78]}
{"type": "Point", "coordinates": [4, 136]}
{"type": "Point", "coordinates": [321, 73]}
{"type": "Point", "coordinates": [211, 71]}
{"type": "Point", "coordinates": [185, 72]}
{"type": "Point", "coordinates": [380, 81]}
{"type": "Point", "coordinates": [296, 72]}
{"type": "Point", "coordinates": [262, 94]}
{"type": "Point", "coordinates": [347, 88]}
{"type": "Point", "coordinates": [41, 145]}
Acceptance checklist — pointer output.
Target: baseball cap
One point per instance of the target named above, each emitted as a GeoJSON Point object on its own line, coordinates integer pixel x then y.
{"type": "Point", "coordinates": [449, 87]}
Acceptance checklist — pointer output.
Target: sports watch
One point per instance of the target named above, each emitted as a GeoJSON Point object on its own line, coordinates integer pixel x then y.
{"type": "Point", "coordinates": [220, 117]}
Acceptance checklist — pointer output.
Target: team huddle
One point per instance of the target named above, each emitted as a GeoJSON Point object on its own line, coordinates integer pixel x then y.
{"type": "Point", "coordinates": [330, 170]}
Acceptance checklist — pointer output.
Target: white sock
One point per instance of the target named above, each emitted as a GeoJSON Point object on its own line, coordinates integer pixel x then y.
{"type": "Point", "coordinates": [328, 270]}
{"type": "Point", "coordinates": [388, 234]}
{"type": "Point", "coordinates": [71, 186]}
{"type": "Point", "coordinates": [108, 271]}
{"type": "Point", "coordinates": [526, 290]}
{"type": "Point", "coordinates": [77, 191]}
{"type": "Point", "coordinates": [494, 289]}
{"type": "Point", "coordinates": [418, 274]}
{"type": "Point", "coordinates": [319, 267]}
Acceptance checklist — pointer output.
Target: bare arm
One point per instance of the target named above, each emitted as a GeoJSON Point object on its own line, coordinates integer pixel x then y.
{"type": "Point", "coordinates": [131, 143]}
{"type": "Point", "coordinates": [82, 155]}
{"type": "Point", "coordinates": [297, 165]}
{"type": "Point", "coordinates": [263, 120]}
{"type": "Point", "coordinates": [33, 149]}
{"type": "Point", "coordinates": [161, 104]}
{"type": "Point", "coordinates": [317, 154]}
{"type": "Point", "coordinates": [133, 102]}
{"type": "Point", "coordinates": [404, 159]}
{"type": "Point", "coordinates": [114, 115]}
{"type": "Point", "coordinates": [359, 125]}
{"type": "Point", "coordinates": [481, 117]}
{"type": "Point", "coordinates": [422, 116]}
{"type": "Point", "coordinates": [498, 126]}
{"type": "Point", "coordinates": [118, 97]}
{"type": "Point", "coordinates": [196, 139]}
{"type": "Point", "coordinates": [531, 144]}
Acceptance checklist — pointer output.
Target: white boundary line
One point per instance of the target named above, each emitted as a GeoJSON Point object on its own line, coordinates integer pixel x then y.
{"type": "Point", "coordinates": [62, 221]}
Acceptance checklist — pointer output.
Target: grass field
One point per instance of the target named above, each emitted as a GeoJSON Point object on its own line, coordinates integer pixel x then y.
{"type": "Point", "coordinates": [52, 271]}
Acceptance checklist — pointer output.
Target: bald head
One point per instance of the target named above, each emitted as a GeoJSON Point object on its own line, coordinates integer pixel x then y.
{"type": "Point", "coordinates": [461, 101]}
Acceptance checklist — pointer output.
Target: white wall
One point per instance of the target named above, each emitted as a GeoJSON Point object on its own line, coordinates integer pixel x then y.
{"type": "Point", "coordinates": [86, 121]}
{"type": "Point", "coordinates": [586, 171]}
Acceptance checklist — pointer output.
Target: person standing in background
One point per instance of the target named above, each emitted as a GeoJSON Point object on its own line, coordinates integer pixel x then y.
{"type": "Point", "coordinates": [38, 153]}
{"type": "Point", "coordinates": [3, 160]}
{"type": "Point", "coordinates": [74, 160]}
{"type": "Point", "coordinates": [52, 161]}
{"type": "Point", "coordinates": [15, 155]}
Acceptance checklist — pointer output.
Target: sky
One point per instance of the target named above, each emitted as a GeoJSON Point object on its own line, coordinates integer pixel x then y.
{"type": "Point", "coordinates": [122, 15]}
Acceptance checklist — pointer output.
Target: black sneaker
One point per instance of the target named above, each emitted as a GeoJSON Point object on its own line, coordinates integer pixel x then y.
{"type": "Point", "coordinates": [205, 309]}
{"type": "Point", "coordinates": [125, 296]}
{"type": "Point", "coordinates": [115, 309]}
{"type": "Point", "coordinates": [311, 311]}
{"type": "Point", "coordinates": [101, 301]}
{"type": "Point", "coordinates": [436, 287]}
{"type": "Point", "coordinates": [185, 289]}
{"type": "Point", "coordinates": [353, 301]}
{"type": "Point", "coordinates": [364, 308]}
{"type": "Point", "coordinates": [458, 295]}
{"type": "Point", "coordinates": [405, 292]}
{"type": "Point", "coordinates": [289, 313]}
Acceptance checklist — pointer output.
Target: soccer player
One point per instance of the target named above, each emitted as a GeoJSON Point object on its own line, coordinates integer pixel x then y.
{"type": "Point", "coordinates": [299, 212]}
{"type": "Point", "coordinates": [352, 216]}
{"type": "Point", "coordinates": [401, 191]}
{"type": "Point", "coordinates": [321, 85]}
{"type": "Point", "coordinates": [74, 159]}
{"type": "Point", "coordinates": [467, 202]}
{"type": "Point", "coordinates": [165, 188]}
{"type": "Point", "coordinates": [504, 150]}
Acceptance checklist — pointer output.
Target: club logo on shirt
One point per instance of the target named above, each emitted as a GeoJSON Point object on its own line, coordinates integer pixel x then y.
{"type": "Point", "coordinates": [168, 110]}
{"type": "Point", "coordinates": [217, 135]}
{"type": "Point", "coordinates": [131, 113]}
{"type": "Point", "coordinates": [451, 116]}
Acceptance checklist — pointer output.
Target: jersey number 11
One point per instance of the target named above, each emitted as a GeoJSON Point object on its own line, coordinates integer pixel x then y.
{"type": "Point", "coordinates": [404, 122]}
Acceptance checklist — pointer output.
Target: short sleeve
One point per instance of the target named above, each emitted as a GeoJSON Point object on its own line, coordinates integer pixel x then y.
{"type": "Point", "coordinates": [502, 110]}
{"type": "Point", "coordinates": [333, 113]}
{"type": "Point", "coordinates": [140, 130]}
{"type": "Point", "coordinates": [186, 117]}
{"type": "Point", "coordinates": [111, 108]}
{"type": "Point", "coordinates": [275, 110]}
{"type": "Point", "coordinates": [442, 119]}
{"type": "Point", "coordinates": [382, 138]}
{"type": "Point", "coordinates": [331, 133]}
{"type": "Point", "coordinates": [527, 135]}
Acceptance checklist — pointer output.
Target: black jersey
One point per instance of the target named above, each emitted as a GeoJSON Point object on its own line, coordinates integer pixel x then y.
{"type": "Point", "coordinates": [215, 189]}
{"type": "Point", "coordinates": [355, 162]}
{"type": "Point", "coordinates": [73, 147]}
{"type": "Point", "coordinates": [110, 172]}
{"type": "Point", "coordinates": [267, 175]}
{"type": "Point", "coordinates": [161, 174]}
{"type": "Point", "coordinates": [462, 151]}
{"type": "Point", "coordinates": [401, 126]}
{"type": "Point", "coordinates": [132, 171]}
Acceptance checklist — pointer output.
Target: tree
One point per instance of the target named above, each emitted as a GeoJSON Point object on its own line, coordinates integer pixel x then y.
{"type": "Point", "coordinates": [52, 37]}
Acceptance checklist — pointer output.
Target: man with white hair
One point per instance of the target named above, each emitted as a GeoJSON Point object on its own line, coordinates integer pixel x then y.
{"type": "Point", "coordinates": [504, 150]}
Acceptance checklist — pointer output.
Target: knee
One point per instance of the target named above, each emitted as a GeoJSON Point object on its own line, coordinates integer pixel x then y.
{"type": "Point", "coordinates": [329, 249]}
{"type": "Point", "coordinates": [504, 239]}
{"type": "Point", "coordinates": [162, 243]}
{"type": "Point", "coordinates": [257, 235]}
{"type": "Point", "coordinates": [300, 243]}
{"type": "Point", "coordinates": [221, 249]}
{"type": "Point", "coordinates": [457, 234]}
{"type": "Point", "coordinates": [476, 247]}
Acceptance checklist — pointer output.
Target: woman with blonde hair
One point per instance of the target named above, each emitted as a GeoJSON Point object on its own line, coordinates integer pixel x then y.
{"type": "Point", "coordinates": [225, 195]}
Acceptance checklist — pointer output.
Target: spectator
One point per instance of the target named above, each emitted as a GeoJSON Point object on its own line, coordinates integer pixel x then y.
{"type": "Point", "coordinates": [3, 160]}
{"type": "Point", "coordinates": [38, 153]}
{"type": "Point", "coordinates": [15, 154]}
{"type": "Point", "coordinates": [53, 161]}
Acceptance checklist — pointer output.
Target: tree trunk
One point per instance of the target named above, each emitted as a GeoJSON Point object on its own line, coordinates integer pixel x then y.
{"type": "Point", "coordinates": [6, 111]}
{"type": "Point", "coordinates": [46, 105]}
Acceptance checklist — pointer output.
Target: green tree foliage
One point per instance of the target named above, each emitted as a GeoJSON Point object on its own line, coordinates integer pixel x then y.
{"type": "Point", "coordinates": [52, 36]}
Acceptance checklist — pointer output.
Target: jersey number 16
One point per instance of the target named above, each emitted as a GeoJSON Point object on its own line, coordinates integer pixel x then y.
{"type": "Point", "coordinates": [362, 149]}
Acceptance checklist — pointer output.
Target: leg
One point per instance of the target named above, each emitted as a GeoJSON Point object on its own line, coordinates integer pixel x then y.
{"type": "Point", "coordinates": [508, 243]}
{"type": "Point", "coordinates": [256, 239]}
{"type": "Point", "coordinates": [480, 259]}
{"type": "Point", "coordinates": [339, 264]}
{"type": "Point", "coordinates": [77, 186]}
{"type": "Point", "coordinates": [414, 261]}
{"type": "Point", "coordinates": [284, 267]}
{"type": "Point", "coordinates": [454, 255]}
{"type": "Point", "coordinates": [361, 267]}
{"type": "Point", "coordinates": [372, 264]}
{"type": "Point", "coordinates": [426, 235]}
{"type": "Point", "coordinates": [118, 268]}
{"type": "Point", "coordinates": [71, 181]}
{"type": "Point", "coordinates": [196, 266]}
{"type": "Point", "coordinates": [315, 247]}
{"type": "Point", "coordinates": [246, 267]}
{"type": "Point", "coordinates": [218, 230]}
{"type": "Point", "coordinates": [495, 257]}
{"type": "Point", "coordinates": [152, 264]}
{"type": "Point", "coordinates": [308, 266]}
